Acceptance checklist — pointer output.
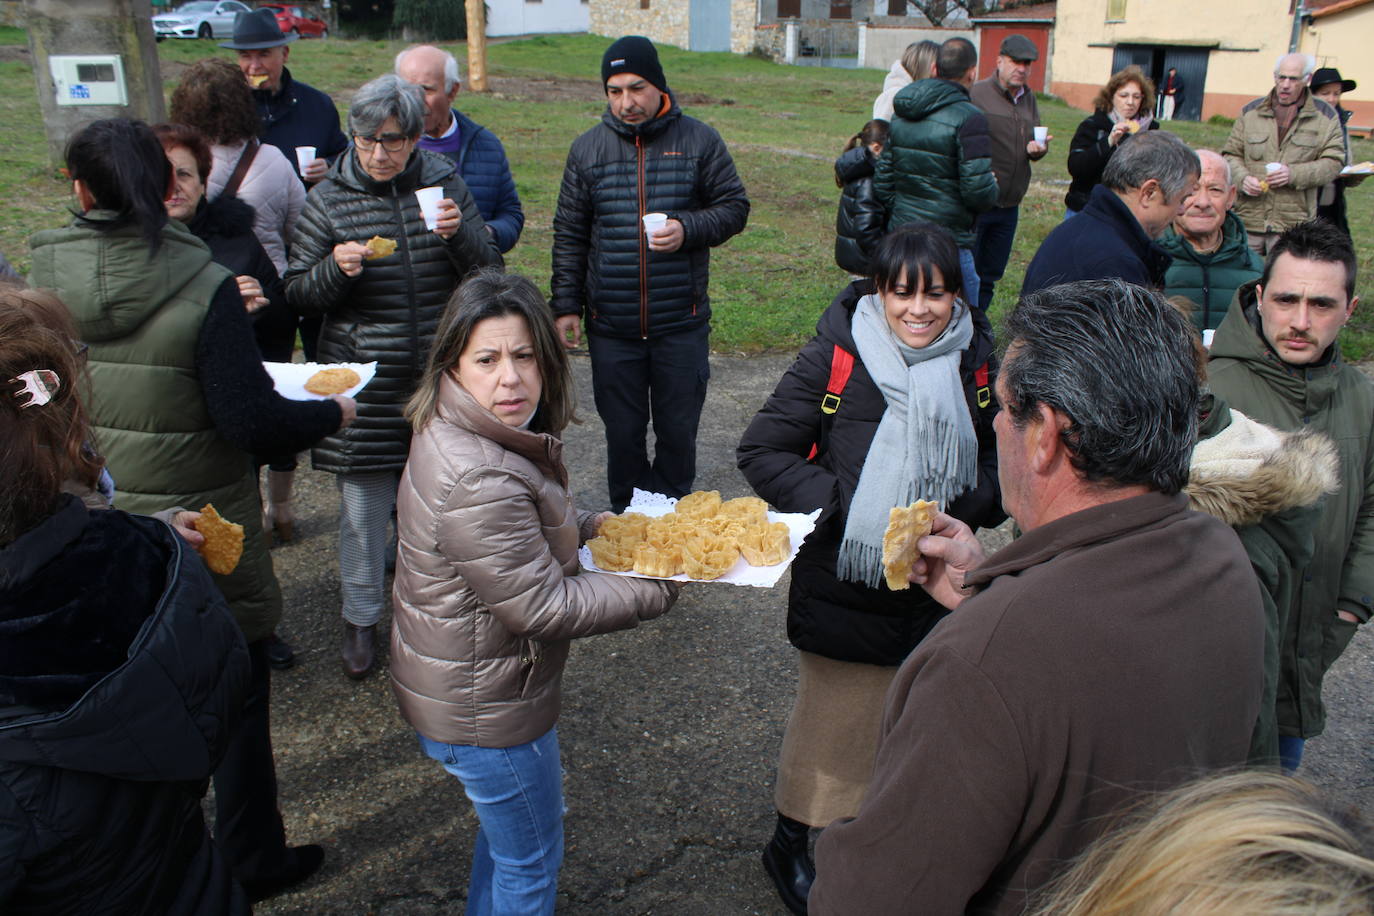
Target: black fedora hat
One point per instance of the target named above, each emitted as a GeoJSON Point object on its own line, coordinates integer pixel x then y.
{"type": "Point", "coordinates": [1324, 76]}
{"type": "Point", "coordinates": [256, 30]}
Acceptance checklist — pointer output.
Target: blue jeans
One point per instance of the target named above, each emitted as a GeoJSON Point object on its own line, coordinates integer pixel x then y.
{"type": "Point", "coordinates": [970, 272]}
{"type": "Point", "coordinates": [1290, 752]}
{"type": "Point", "coordinates": [518, 794]}
{"type": "Point", "coordinates": [992, 250]}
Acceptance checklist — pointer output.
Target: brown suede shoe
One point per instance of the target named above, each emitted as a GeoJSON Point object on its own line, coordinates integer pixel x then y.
{"type": "Point", "coordinates": [358, 655]}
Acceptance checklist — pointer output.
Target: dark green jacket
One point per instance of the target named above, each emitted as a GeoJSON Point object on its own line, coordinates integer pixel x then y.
{"type": "Point", "coordinates": [1336, 399]}
{"type": "Point", "coordinates": [1209, 281]}
{"type": "Point", "coordinates": [1267, 485]}
{"type": "Point", "coordinates": [141, 319]}
{"type": "Point", "coordinates": [937, 166]}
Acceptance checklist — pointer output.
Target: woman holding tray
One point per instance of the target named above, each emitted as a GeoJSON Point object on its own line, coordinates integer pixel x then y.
{"type": "Point", "coordinates": [487, 593]}
{"type": "Point", "coordinates": [889, 403]}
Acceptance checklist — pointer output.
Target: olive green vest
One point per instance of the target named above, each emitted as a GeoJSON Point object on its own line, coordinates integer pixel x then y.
{"type": "Point", "coordinates": [141, 318]}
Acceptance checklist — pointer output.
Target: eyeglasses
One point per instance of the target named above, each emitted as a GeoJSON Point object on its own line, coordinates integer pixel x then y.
{"type": "Point", "coordinates": [392, 143]}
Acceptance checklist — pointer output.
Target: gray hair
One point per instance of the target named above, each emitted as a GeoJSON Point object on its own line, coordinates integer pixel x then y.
{"type": "Point", "coordinates": [1309, 63]}
{"type": "Point", "coordinates": [451, 75]}
{"type": "Point", "coordinates": [1157, 154]}
{"type": "Point", "coordinates": [387, 96]}
{"type": "Point", "coordinates": [1117, 361]}
{"type": "Point", "coordinates": [1225, 164]}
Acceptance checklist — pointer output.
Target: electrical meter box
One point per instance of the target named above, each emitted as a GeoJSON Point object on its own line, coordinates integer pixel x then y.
{"type": "Point", "coordinates": [88, 79]}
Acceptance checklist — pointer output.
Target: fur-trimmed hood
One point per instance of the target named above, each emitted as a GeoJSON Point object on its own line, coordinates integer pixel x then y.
{"type": "Point", "coordinates": [1249, 471]}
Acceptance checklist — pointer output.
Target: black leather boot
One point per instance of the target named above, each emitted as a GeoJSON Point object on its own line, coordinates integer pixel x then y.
{"type": "Point", "coordinates": [789, 864]}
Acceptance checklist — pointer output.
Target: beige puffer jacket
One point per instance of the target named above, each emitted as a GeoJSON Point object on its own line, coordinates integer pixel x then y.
{"type": "Point", "coordinates": [487, 590]}
{"type": "Point", "coordinates": [1313, 149]}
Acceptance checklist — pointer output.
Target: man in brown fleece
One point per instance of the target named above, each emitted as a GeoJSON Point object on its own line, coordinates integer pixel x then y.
{"type": "Point", "coordinates": [1117, 647]}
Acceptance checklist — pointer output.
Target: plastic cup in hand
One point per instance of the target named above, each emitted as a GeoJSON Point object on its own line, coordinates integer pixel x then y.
{"type": "Point", "coordinates": [304, 156]}
{"type": "Point", "coordinates": [654, 223]}
{"type": "Point", "coordinates": [1042, 135]}
{"type": "Point", "coordinates": [1272, 167]}
{"type": "Point", "coordinates": [429, 205]}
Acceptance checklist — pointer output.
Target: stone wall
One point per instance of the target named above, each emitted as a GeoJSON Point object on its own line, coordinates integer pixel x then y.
{"type": "Point", "coordinates": [665, 22]}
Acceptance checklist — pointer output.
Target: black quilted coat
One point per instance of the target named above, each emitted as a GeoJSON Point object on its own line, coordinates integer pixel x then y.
{"type": "Point", "coordinates": [838, 619]}
{"type": "Point", "coordinates": [389, 312]}
{"type": "Point", "coordinates": [122, 674]}
{"type": "Point", "coordinates": [616, 172]}
{"type": "Point", "coordinates": [860, 220]}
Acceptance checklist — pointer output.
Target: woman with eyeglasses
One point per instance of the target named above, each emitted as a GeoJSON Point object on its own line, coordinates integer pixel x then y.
{"type": "Point", "coordinates": [1121, 110]}
{"type": "Point", "coordinates": [383, 307]}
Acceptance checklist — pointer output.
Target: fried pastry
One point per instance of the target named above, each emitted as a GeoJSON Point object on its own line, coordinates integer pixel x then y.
{"type": "Point", "coordinates": [699, 504]}
{"type": "Point", "coordinates": [378, 247]}
{"type": "Point", "coordinates": [749, 509]}
{"type": "Point", "coordinates": [612, 554]}
{"type": "Point", "coordinates": [708, 557]}
{"type": "Point", "coordinates": [631, 524]}
{"type": "Point", "coordinates": [766, 545]}
{"type": "Point", "coordinates": [223, 541]}
{"type": "Point", "coordinates": [905, 526]}
{"type": "Point", "coordinates": [332, 381]}
{"type": "Point", "coordinates": [660, 561]}
{"type": "Point", "coordinates": [257, 79]}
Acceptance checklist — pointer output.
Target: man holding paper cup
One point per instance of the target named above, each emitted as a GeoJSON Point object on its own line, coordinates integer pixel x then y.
{"type": "Point", "coordinates": [646, 194]}
{"type": "Point", "coordinates": [1283, 148]}
{"type": "Point", "coordinates": [1017, 141]}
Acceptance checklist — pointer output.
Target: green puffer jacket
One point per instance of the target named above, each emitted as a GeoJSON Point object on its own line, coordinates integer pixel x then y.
{"type": "Point", "coordinates": [1313, 149]}
{"type": "Point", "coordinates": [937, 166]}
{"type": "Point", "coordinates": [1209, 281]}
{"type": "Point", "coordinates": [141, 319]}
{"type": "Point", "coordinates": [1335, 399]}
{"type": "Point", "coordinates": [1267, 485]}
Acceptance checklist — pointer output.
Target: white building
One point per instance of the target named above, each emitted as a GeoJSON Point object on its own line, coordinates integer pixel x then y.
{"type": "Point", "coordinates": [527, 17]}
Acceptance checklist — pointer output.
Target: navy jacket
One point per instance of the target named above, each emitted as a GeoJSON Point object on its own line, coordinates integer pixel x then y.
{"type": "Point", "coordinates": [617, 172]}
{"type": "Point", "coordinates": [1105, 241]}
{"type": "Point", "coordinates": [299, 115]}
{"type": "Point", "coordinates": [481, 160]}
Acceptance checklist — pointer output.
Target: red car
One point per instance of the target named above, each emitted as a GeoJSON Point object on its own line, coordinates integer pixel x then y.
{"type": "Point", "coordinates": [295, 19]}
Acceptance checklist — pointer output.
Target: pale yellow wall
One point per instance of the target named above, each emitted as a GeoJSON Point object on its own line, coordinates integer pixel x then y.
{"type": "Point", "coordinates": [1342, 40]}
{"type": "Point", "coordinates": [1258, 29]}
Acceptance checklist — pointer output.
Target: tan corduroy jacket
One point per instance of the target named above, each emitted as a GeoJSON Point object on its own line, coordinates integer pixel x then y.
{"type": "Point", "coordinates": [1313, 149]}
{"type": "Point", "coordinates": [488, 591]}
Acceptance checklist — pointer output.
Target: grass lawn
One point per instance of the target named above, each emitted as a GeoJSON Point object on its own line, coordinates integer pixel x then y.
{"type": "Point", "coordinates": [784, 127]}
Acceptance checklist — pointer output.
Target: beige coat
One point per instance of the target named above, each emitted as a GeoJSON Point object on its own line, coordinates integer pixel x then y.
{"type": "Point", "coordinates": [488, 591]}
{"type": "Point", "coordinates": [1313, 150]}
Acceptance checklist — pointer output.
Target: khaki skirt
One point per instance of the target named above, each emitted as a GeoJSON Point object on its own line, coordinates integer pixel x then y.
{"type": "Point", "coordinates": [831, 739]}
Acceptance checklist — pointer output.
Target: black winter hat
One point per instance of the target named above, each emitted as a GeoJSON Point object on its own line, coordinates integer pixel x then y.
{"type": "Point", "coordinates": [633, 54]}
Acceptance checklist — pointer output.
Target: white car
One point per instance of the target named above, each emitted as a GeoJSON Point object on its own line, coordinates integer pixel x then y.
{"type": "Point", "coordinates": [199, 19]}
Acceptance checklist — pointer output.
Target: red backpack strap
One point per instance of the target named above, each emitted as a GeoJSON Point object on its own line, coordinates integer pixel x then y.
{"type": "Point", "coordinates": [841, 367]}
{"type": "Point", "coordinates": [984, 392]}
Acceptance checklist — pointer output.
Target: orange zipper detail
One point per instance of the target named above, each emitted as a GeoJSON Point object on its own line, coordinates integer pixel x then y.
{"type": "Point", "coordinates": [643, 245]}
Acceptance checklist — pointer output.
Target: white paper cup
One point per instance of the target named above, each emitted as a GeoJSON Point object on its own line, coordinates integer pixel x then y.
{"type": "Point", "coordinates": [654, 223]}
{"type": "Point", "coordinates": [1272, 167]}
{"type": "Point", "coordinates": [304, 156]}
{"type": "Point", "coordinates": [429, 204]}
{"type": "Point", "coordinates": [1042, 134]}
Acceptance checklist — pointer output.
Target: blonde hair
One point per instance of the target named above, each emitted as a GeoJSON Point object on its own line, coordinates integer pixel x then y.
{"type": "Point", "coordinates": [1249, 843]}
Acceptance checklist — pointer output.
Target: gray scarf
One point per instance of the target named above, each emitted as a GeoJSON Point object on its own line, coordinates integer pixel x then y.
{"type": "Point", "coordinates": [924, 447]}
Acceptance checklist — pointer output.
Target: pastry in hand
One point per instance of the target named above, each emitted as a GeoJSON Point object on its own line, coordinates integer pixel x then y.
{"type": "Point", "coordinates": [223, 541]}
{"type": "Point", "coordinates": [378, 247]}
{"type": "Point", "coordinates": [332, 381]}
{"type": "Point", "coordinates": [905, 526]}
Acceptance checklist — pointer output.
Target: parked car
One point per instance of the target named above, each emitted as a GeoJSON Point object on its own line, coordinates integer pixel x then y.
{"type": "Point", "coordinates": [199, 19]}
{"type": "Point", "coordinates": [295, 19]}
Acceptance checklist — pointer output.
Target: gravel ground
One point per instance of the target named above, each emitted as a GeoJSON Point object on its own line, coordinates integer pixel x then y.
{"type": "Point", "coordinates": [669, 732]}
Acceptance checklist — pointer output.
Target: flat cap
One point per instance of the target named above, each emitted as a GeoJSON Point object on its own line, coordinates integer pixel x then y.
{"type": "Point", "coordinates": [1019, 47]}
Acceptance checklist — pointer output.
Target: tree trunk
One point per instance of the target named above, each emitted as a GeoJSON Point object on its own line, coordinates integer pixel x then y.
{"type": "Point", "coordinates": [477, 45]}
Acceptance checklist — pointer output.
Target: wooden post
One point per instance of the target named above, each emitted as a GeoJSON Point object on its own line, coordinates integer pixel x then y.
{"type": "Point", "coordinates": [477, 46]}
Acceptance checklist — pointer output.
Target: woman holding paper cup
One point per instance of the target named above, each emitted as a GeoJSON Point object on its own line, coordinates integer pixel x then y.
{"type": "Point", "coordinates": [488, 595]}
{"type": "Point", "coordinates": [1121, 110]}
{"type": "Point", "coordinates": [890, 402]}
{"type": "Point", "coordinates": [380, 303]}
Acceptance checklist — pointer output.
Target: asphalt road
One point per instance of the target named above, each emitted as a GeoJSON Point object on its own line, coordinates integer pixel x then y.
{"type": "Point", "coordinates": [669, 732]}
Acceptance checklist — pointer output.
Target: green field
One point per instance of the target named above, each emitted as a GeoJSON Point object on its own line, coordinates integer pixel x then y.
{"type": "Point", "coordinates": [784, 126]}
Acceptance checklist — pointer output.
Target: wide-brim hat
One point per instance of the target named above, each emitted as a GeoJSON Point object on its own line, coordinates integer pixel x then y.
{"type": "Point", "coordinates": [257, 30]}
{"type": "Point", "coordinates": [1324, 76]}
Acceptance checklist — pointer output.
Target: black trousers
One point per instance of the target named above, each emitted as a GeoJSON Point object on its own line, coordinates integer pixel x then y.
{"type": "Point", "coordinates": [664, 379]}
{"type": "Point", "coordinates": [248, 825]}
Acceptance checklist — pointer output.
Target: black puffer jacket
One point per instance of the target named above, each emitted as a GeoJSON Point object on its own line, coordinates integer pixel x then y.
{"type": "Point", "coordinates": [122, 674]}
{"type": "Point", "coordinates": [616, 172]}
{"type": "Point", "coordinates": [389, 312]}
{"type": "Point", "coordinates": [225, 224]}
{"type": "Point", "coordinates": [861, 218]}
{"type": "Point", "coordinates": [839, 619]}
{"type": "Point", "coordinates": [1088, 155]}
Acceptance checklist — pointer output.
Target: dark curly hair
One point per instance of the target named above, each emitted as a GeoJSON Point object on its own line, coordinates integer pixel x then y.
{"type": "Point", "coordinates": [214, 98]}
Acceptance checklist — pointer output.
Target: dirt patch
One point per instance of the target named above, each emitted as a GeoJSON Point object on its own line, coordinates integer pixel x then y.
{"type": "Point", "coordinates": [519, 88]}
{"type": "Point", "coordinates": [14, 52]}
